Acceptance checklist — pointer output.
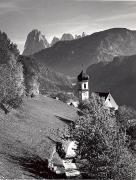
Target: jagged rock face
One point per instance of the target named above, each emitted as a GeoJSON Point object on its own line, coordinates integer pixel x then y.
{"type": "Point", "coordinates": [118, 77]}
{"type": "Point", "coordinates": [67, 37]}
{"type": "Point", "coordinates": [35, 42]}
{"type": "Point", "coordinates": [78, 36]}
{"type": "Point", "coordinates": [54, 41]}
{"type": "Point", "coordinates": [84, 34]}
{"type": "Point", "coordinates": [68, 56]}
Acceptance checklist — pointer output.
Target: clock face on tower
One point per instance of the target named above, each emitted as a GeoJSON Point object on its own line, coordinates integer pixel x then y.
{"type": "Point", "coordinates": [85, 94]}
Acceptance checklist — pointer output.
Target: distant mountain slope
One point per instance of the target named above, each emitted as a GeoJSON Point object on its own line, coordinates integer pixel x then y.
{"type": "Point", "coordinates": [35, 42]}
{"type": "Point", "coordinates": [38, 76]}
{"type": "Point", "coordinates": [67, 57]}
{"type": "Point", "coordinates": [118, 77]}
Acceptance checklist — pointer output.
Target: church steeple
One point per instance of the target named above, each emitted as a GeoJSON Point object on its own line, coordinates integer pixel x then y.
{"type": "Point", "coordinates": [83, 76]}
{"type": "Point", "coordinates": [83, 87]}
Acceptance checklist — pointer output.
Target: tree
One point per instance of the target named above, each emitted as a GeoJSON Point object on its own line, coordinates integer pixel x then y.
{"type": "Point", "coordinates": [102, 148]}
{"type": "Point", "coordinates": [31, 74]}
{"type": "Point", "coordinates": [126, 116]}
{"type": "Point", "coordinates": [8, 50]}
{"type": "Point", "coordinates": [11, 74]}
{"type": "Point", "coordinates": [11, 85]}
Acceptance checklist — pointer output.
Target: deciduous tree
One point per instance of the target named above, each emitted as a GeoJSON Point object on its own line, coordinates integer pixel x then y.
{"type": "Point", "coordinates": [102, 149]}
{"type": "Point", "coordinates": [11, 85]}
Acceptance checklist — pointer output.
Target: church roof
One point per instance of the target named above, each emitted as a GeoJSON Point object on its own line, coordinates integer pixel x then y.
{"type": "Point", "coordinates": [82, 76]}
{"type": "Point", "coordinates": [103, 94]}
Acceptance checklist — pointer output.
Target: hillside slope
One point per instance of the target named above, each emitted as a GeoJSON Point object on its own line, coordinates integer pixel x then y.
{"type": "Point", "coordinates": [118, 77]}
{"type": "Point", "coordinates": [67, 57]}
{"type": "Point", "coordinates": [38, 76]}
{"type": "Point", "coordinates": [23, 136]}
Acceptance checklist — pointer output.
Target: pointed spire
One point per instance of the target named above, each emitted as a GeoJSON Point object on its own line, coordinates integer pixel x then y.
{"type": "Point", "coordinates": [82, 67]}
{"type": "Point", "coordinates": [83, 76]}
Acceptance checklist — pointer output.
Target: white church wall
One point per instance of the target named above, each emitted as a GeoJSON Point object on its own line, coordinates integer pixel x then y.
{"type": "Point", "coordinates": [85, 95]}
{"type": "Point", "coordinates": [110, 102]}
{"type": "Point", "coordinates": [71, 149]}
{"type": "Point", "coordinates": [84, 84]}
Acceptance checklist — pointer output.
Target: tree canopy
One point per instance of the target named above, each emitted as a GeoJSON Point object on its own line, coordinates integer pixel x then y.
{"type": "Point", "coordinates": [11, 73]}
{"type": "Point", "coordinates": [8, 50]}
{"type": "Point", "coordinates": [102, 145]}
{"type": "Point", "coordinates": [11, 84]}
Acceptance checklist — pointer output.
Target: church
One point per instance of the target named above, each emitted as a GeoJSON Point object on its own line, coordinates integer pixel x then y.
{"type": "Point", "coordinates": [83, 91]}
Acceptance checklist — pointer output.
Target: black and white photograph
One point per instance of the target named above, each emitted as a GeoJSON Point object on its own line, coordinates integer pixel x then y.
{"type": "Point", "coordinates": [68, 89]}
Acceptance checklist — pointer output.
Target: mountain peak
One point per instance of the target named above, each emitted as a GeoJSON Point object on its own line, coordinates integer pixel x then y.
{"type": "Point", "coordinates": [55, 40]}
{"type": "Point", "coordinates": [35, 42]}
{"type": "Point", "coordinates": [100, 46]}
{"type": "Point", "coordinates": [67, 37]}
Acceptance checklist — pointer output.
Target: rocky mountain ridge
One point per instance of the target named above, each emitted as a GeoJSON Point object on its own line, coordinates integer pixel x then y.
{"type": "Point", "coordinates": [67, 37]}
{"type": "Point", "coordinates": [67, 57]}
{"type": "Point", "coordinates": [35, 42]}
{"type": "Point", "coordinates": [54, 40]}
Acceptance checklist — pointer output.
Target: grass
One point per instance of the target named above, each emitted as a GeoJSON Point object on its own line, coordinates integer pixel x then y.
{"type": "Point", "coordinates": [24, 143]}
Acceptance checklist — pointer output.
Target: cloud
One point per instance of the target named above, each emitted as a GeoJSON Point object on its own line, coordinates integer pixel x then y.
{"type": "Point", "coordinates": [117, 17]}
{"type": "Point", "coordinates": [8, 6]}
{"type": "Point", "coordinates": [83, 0]}
{"type": "Point", "coordinates": [103, 0]}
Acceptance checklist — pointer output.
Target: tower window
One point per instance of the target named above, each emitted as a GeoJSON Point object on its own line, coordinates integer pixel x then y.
{"type": "Point", "coordinates": [84, 86]}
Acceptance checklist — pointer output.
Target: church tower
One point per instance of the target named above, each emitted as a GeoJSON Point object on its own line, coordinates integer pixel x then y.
{"type": "Point", "coordinates": [83, 86]}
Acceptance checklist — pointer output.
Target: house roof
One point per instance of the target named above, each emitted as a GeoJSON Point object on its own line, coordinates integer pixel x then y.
{"type": "Point", "coordinates": [103, 94]}
{"type": "Point", "coordinates": [83, 76]}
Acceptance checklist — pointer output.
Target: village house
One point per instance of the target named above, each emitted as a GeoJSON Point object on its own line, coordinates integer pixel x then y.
{"type": "Point", "coordinates": [62, 160]}
{"type": "Point", "coordinates": [73, 103]}
{"type": "Point", "coordinates": [109, 101]}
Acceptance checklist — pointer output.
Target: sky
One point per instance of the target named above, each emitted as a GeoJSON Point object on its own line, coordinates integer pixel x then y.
{"type": "Point", "coordinates": [55, 17]}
